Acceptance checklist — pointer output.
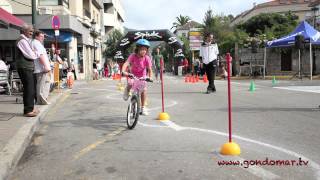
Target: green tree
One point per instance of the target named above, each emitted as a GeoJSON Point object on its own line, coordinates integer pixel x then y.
{"type": "Point", "coordinates": [273, 24]}
{"type": "Point", "coordinates": [180, 21]}
{"type": "Point", "coordinates": [111, 44]}
{"type": "Point", "coordinates": [186, 47]}
{"type": "Point", "coordinates": [219, 26]}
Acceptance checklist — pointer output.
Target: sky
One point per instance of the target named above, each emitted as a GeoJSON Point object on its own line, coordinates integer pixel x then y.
{"type": "Point", "coordinates": [160, 14]}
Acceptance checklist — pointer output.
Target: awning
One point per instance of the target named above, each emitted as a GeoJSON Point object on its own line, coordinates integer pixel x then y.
{"type": "Point", "coordinates": [8, 20]}
{"type": "Point", "coordinates": [64, 37]}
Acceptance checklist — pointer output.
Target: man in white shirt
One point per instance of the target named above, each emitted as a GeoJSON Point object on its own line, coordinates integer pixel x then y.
{"type": "Point", "coordinates": [25, 57]}
{"type": "Point", "coordinates": [209, 54]}
{"type": "Point", "coordinates": [41, 69]}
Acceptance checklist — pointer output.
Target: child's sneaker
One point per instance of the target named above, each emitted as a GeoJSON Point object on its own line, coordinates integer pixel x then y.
{"type": "Point", "coordinates": [144, 111]}
{"type": "Point", "coordinates": [125, 94]}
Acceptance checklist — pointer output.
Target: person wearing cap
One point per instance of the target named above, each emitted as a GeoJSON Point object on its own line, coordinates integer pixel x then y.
{"type": "Point", "coordinates": [140, 66]}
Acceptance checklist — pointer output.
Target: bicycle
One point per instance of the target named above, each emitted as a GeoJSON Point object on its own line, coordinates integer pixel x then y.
{"type": "Point", "coordinates": [134, 99]}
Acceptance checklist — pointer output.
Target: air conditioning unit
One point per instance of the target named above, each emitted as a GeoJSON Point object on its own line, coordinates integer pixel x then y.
{"type": "Point", "coordinates": [45, 10]}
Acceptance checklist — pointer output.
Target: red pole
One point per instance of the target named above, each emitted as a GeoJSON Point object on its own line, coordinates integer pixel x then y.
{"type": "Point", "coordinates": [228, 58]}
{"type": "Point", "coordinates": [161, 78]}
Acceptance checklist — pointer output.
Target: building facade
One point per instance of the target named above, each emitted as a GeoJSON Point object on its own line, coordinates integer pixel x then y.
{"type": "Point", "coordinates": [113, 16]}
{"type": "Point", "coordinates": [300, 8]}
{"type": "Point", "coordinates": [79, 37]}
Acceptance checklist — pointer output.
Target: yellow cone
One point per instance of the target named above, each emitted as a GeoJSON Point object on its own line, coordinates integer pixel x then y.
{"type": "Point", "coordinates": [230, 148]}
{"type": "Point", "coordinates": [163, 116]}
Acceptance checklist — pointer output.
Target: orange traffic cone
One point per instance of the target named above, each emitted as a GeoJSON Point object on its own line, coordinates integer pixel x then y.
{"type": "Point", "coordinates": [193, 79]}
{"type": "Point", "coordinates": [189, 79]}
{"type": "Point", "coordinates": [186, 79]}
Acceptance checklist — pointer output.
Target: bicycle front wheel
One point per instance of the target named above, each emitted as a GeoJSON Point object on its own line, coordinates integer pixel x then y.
{"type": "Point", "coordinates": [133, 112]}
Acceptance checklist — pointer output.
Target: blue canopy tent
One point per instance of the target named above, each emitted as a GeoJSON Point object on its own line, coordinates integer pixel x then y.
{"type": "Point", "coordinates": [311, 37]}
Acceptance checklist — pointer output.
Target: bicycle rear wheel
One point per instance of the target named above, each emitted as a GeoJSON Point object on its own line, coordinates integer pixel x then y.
{"type": "Point", "coordinates": [133, 112]}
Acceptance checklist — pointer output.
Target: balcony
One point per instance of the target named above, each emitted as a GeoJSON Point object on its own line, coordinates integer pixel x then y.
{"type": "Point", "coordinates": [109, 19]}
{"type": "Point", "coordinates": [86, 13]}
{"type": "Point", "coordinates": [98, 3]}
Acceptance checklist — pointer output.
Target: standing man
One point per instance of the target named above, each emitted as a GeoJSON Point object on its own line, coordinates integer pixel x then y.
{"type": "Point", "coordinates": [157, 58]}
{"type": "Point", "coordinates": [209, 54]}
{"type": "Point", "coordinates": [25, 64]}
{"type": "Point", "coordinates": [42, 70]}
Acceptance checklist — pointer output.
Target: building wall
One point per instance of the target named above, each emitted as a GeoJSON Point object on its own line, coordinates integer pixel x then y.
{"type": "Point", "coordinates": [301, 10]}
{"type": "Point", "coordinates": [111, 16]}
{"type": "Point", "coordinates": [273, 60]}
{"type": "Point", "coordinates": [72, 20]}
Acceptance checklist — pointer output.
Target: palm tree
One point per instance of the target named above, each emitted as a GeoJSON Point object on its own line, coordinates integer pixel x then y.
{"type": "Point", "coordinates": [180, 21]}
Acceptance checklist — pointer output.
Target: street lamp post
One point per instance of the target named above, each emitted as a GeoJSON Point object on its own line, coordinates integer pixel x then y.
{"type": "Point", "coordinates": [314, 9]}
{"type": "Point", "coordinates": [94, 35]}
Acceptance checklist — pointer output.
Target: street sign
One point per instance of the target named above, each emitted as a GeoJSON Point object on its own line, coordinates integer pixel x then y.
{"type": "Point", "coordinates": [55, 22]}
{"type": "Point", "coordinates": [195, 39]}
{"type": "Point", "coordinates": [56, 32]}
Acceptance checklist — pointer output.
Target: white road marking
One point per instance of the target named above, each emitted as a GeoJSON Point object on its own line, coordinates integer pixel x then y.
{"type": "Point", "coordinates": [259, 171]}
{"type": "Point", "coordinates": [96, 89]}
{"type": "Point", "coordinates": [313, 164]}
{"type": "Point", "coordinates": [312, 89]}
{"type": "Point", "coordinates": [153, 126]}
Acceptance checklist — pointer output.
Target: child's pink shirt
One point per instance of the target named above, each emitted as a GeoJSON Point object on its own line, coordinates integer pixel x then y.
{"type": "Point", "coordinates": [139, 65]}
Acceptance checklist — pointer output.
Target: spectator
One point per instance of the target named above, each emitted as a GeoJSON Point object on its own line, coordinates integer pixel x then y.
{"type": "Point", "coordinates": [185, 65]}
{"type": "Point", "coordinates": [73, 69]}
{"type": "Point", "coordinates": [41, 69]}
{"type": "Point", "coordinates": [196, 65]}
{"type": "Point", "coordinates": [116, 68]}
{"type": "Point", "coordinates": [106, 69]}
{"type": "Point", "coordinates": [25, 64]}
{"type": "Point", "coordinates": [157, 58]}
{"type": "Point", "coordinates": [95, 70]}
{"type": "Point", "coordinates": [99, 68]}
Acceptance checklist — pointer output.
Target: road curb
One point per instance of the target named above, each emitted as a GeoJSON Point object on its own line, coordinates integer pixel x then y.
{"type": "Point", "coordinates": [14, 149]}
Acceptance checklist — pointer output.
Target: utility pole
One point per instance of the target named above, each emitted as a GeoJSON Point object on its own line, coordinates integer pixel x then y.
{"type": "Point", "coordinates": [314, 9]}
{"type": "Point", "coordinates": [34, 11]}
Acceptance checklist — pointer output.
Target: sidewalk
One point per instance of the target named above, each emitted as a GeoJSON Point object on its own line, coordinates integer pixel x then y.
{"type": "Point", "coordinates": [16, 130]}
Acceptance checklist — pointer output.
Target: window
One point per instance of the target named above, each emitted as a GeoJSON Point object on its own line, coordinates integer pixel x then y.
{"type": "Point", "coordinates": [283, 1]}
{"type": "Point", "coordinates": [48, 2]}
{"type": "Point", "coordinates": [65, 3]}
{"type": "Point", "coordinates": [108, 8]}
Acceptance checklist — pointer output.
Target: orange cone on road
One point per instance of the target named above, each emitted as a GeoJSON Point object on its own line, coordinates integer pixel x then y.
{"type": "Point", "coordinates": [186, 79]}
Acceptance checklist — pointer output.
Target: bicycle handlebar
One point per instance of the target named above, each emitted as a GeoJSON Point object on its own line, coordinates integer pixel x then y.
{"type": "Point", "coordinates": [137, 78]}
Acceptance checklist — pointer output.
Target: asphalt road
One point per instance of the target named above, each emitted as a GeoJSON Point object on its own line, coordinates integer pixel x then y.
{"type": "Point", "coordinates": [84, 136]}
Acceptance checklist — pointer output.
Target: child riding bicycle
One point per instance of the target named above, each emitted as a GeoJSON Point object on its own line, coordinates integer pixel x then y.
{"type": "Point", "coordinates": [140, 66]}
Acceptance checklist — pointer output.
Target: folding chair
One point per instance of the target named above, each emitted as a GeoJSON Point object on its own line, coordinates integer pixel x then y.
{"type": "Point", "coordinates": [4, 81]}
{"type": "Point", "coordinates": [15, 82]}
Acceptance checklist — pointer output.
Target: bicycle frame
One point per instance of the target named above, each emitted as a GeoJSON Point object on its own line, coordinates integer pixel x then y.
{"type": "Point", "coordinates": [137, 86]}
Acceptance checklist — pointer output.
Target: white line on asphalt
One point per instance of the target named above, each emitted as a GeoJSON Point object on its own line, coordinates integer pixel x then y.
{"type": "Point", "coordinates": [173, 125]}
{"type": "Point", "coordinates": [153, 126]}
{"type": "Point", "coordinates": [313, 89]}
{"type": "Point", "coordinates": [176, 127]}
{"type": "Point", "coordinates": [98, 89]}
{"type": "Point", "coordinates": [313, 164]}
